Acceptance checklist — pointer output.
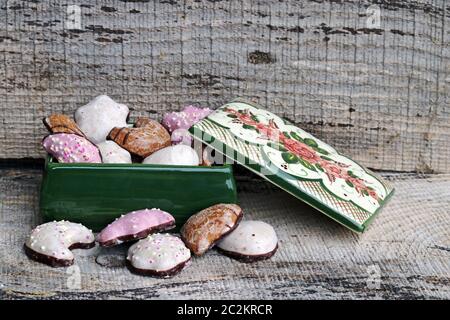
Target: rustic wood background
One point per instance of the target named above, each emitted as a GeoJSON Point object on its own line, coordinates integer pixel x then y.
{"type": "Point", "coordinates": [379, 94]}
{"type": "Point", "coordinates": [403, 255]}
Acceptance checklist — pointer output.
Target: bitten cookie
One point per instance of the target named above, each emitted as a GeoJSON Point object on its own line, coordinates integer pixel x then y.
{"type": "Point", "coordinates": [70, 148]}
{"type": "Point", "coordinates": [51, 242]}
{"type": "Point", "coordinates": [99, 116]}
{"type": "Point", "coordinates": [60, 123]}
{"type": "Point", "coordinates": [158, 255]}
{"type": "Point", "coordinates": [250, 241]}
{"type": "Point", "coordinates": [112, 153]}
{"type": "Point", "coordinates": [205, 228]}
{"type": "Point", "coordinates": [135, 225]}
{"type": "Point", "coordinates": [143, 140]}
{"type": "Point", "coordinates": [174, 155]}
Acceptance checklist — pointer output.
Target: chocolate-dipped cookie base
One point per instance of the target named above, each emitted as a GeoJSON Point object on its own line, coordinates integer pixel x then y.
{"type": "Point", "coordinates": [52, 261]}
{"type": "Point", "coordinates": [137, 236]}
{"type": "Point", "coordinates": [158, 274]}
{"type": "Point", "coordinates": [248, 258]}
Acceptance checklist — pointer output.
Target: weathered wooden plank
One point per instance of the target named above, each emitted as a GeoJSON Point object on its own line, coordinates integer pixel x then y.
{"type": "Point", "coordinates": [404, 254]}
{"type": "Point", "coordinates": [378, 93]}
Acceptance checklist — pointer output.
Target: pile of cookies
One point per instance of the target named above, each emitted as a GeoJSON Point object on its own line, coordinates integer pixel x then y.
{"type": "Point", "coordinates": [100, 134]}
{"type": "Point", "coordinates": [155, 253]}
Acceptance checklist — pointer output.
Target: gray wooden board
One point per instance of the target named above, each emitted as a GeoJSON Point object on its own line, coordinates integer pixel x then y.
{"type": "Point", "coordinates": [404, 254]}
{"type": "Point", "coordinates": [377, 93]}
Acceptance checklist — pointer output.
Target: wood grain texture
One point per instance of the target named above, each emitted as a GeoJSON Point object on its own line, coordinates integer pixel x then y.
{"type": "Point", "coordinates": [407, 249]}
{"type": "Point", "coordinates": [378, 94]}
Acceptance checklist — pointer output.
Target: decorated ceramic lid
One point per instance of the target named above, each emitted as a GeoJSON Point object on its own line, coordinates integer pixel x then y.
{"type": "Point", "coordinates": [295, 161]}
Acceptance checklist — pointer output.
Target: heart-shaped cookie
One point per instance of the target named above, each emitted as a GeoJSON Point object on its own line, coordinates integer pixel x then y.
{"type": "Point", "coordinates": [251, 241]}
{"type": "Point", "coordinates": [143, 140]}
{"type": "Point", "coordinates": [158, 255]}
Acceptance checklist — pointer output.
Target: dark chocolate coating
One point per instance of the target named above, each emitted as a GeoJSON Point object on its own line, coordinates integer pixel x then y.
{"type": "Point", "coordinates": [248, 258]}
{"type": "Point", "coordinates": [52, 261]}
{"type": "Point", "coordinates": [157, 274]}
{"type": "Point", "coordinates": [140, 235]}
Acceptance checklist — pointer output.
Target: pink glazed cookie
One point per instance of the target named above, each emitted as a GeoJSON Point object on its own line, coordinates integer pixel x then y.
{"type": "Point", "coordinates": [135, 225]}
{"type": "Point", "coordinates": [184, 119]}
{"type": "Point", "coordinates": [71, 148]}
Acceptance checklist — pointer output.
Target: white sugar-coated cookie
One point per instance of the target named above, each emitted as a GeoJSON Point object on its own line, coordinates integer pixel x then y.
{"type": "Point", "coordinates": [181, 136]}
{"type": "Point", "coordinates": [51, 242]}
{"type": "Point", "coordinates": [250, 241]}
{"type": "Point", "coordinates": [112, 153]}
{"type": "Point", "coordinates": [99, 116]}
{"type": "Point", "coordinates": [161, 255]}
{"type": "Point", "coordinates": [179, 154]}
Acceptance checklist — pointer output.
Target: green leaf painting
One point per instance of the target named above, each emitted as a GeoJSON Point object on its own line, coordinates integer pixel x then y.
{"type": "Point", "coordinates": [290, 157]}
{"type": "Point", "coordinates": [311, 142]}
{"type": "Point", "coordinates": [308, 165]}
{"type": "Point", "coordinates": [296, 136]}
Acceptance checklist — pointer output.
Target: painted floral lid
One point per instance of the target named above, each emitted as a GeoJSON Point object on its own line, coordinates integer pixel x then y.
{"type": "Point", "coordinates": [295, 161]}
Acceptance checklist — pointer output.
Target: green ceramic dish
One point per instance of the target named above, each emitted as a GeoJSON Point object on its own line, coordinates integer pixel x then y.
{"type": "Point", "coordinates": [96, 194]}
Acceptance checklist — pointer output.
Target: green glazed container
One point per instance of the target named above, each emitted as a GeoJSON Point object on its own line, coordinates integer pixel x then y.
{"type": "Point", "coordinates": [96, 194]}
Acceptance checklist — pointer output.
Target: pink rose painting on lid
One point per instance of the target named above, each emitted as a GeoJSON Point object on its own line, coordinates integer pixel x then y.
{"type": "Point", "coordinates": [300, 155]}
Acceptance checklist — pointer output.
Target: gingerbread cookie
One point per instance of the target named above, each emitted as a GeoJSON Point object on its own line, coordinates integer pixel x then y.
{"type": "Point", "coordinates": [205, 228]}
{"type": "Point", "coordinates": [99, 116]}
{"type": "Point", "coordinates": [135, 225]}
{"type": "Point", "coordinates": [71, 148]}
{"type": "Point", "coordinates": [142, 122]}
{"type": "Point", "coordinates": [250, 241]}
{"type": "Point", "coordinates": [112, 153]}
{"type": "Point", "coordinates": [158, 255]}
{"type": "Point", "coordinates": [180, 155]}
{"type": "Point", "coordinates": [60, 123]}
{"type": "Point", "coordinates": [143, 140]}
{"type": "Point", "coordinates": [51, 242]}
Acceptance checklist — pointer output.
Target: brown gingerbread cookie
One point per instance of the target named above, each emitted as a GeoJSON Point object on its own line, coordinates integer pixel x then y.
{"type": "Point", "coordinates": [142, 122]}
{"type": "Point", "coordinates": [60, 123]}
{"type": "Point", "coordinates": [205, 228]}
{"type": "Point", "coordinates": [142, 140]}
